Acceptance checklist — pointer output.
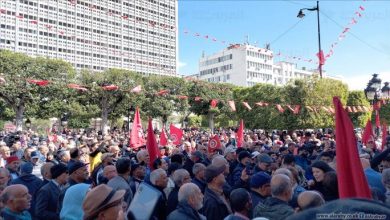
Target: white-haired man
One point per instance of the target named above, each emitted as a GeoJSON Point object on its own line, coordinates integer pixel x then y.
{"type": "Point", "coordinates": [159, 180]}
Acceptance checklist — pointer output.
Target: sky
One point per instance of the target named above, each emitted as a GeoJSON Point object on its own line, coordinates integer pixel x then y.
{"type": "Point", "coordinates": [365, 50]}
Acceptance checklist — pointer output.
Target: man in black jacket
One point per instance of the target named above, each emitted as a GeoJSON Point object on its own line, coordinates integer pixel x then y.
{"type": "Point", "coordinates": [198, 171]}
{"type": "Point", "coordinates": [215, 204]}
{"type": "Point", "coordinates": [46, 204]}
{"type": "Point", "coordinates": [159, 180]}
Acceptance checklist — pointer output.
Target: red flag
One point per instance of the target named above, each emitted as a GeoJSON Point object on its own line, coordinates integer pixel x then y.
{"type": "Point", "coordinates": [361, 8]}
{"type": "Point", "coordinates": [151, 144]}
{"type": "Point", "coordinates": [39, 82]}
{"type": "Point", "coordinates": [137, 138]}
{"type": "Point", "coordinates": [247, 105]}
{"type": "Point", "coordinates": [213, 103]}
{"type": "Point", "coordinates": [279, 107]}
{"type": "Point", "coordinates": [259, 104]}
{"type": "Point", "coordinates": [240, 134]}
{"type": "Point", "coordinates": [214, 144]}
{"type": "Point", "coordinates": [207, 36]}
{"type": "Point", "coordinates": [358, 14]}
{"type": "Point", "coordinates": [296, 109]}
{"type": "Point", "coordinates": [78, 87]}
{"type": "Point", "coordinates": [377, 119]}
{"type": "Point", "coordinates": [163, 92]}
{"type": "Point", "coordinates": [163, 138]}
{"type": "Point", "coordinates": [351, 180]}
{"type": "Point", "coordinates": [110, 87]}
{"type": "Point", "coordinates": [232, 105]}
{"type": "Point", "coordinates": [182, 97]}
{"type": "Point", "coordinates": [3, 11]}
{"type": "Point", "coordinates": [384, 135]}
{"type": "Point", "coordinates": [290, 108]}
{"type": "Point", "coordinates": [176, 134]}
{"type": "Point", "coordinates": [321, 57]}
{"type": "Point", "coordinates": [137, 89]}
{"type": "Point", "coordinates": [367, 133]}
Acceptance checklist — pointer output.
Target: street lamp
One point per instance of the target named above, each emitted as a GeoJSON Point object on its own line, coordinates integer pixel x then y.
{"type": "Point", "coordinates": [129, 115]}
{"type": "Point", "coordinates": [28, 124]}
{"type": "Point", "coordinates": [64, 120]}
{"type": "Point", "coordinates": [375, 93]}
{"type": "Point", "coordinates": [301, 15]}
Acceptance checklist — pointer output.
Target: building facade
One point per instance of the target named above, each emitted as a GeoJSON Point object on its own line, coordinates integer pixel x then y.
{"type": "Point", "coordinates": [138, 35]}
{"type": "Point", "coordinates": [247, 65]}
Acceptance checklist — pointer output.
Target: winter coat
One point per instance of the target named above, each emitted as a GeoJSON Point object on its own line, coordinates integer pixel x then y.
{"type": "Point", "coordinates": [273, 208]}
{"type": "Point", "coordinates": [213, 206]}
{"type": "Point", "coordinates": [185, 211]}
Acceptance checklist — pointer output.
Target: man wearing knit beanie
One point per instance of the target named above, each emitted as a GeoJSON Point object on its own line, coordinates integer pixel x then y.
{"type": "Point", "coordinates": [46, 205]}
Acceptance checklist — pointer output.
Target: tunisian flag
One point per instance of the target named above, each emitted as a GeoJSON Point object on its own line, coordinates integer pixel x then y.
{"type": "Point", "coordinates": [151, 144]}
{"type": "Point", "coordinates": [367, 134]}
{"type": "Point", "coordinates": [214, 144]}
{"type": "Point", "coordinates": [176, 134]}
{"type": "Point", "coordinates": [163, 138]}
{"type": "Point", "coordinates": [240, 134]}
{"type": "Point", "coordinates": [137, 138]}
{"type": "Point", "coordinates": [351, 180]}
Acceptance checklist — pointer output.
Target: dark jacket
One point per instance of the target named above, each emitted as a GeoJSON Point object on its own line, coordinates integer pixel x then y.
{"type": "Point", "coordinates": [234, 217]}
{"type": "Point", "coordinates": [185, 211]}
{"type": "Point", "coordinates": [294, 200]}
{"type": "Point", "coordinates": [256, 198]}
{"type": "Point", "coordinates": [188, 165]}
{"type": "Point", "coordinates": [32, 183]}
{"type": "Point", "coordinates": [173, 200]}
{"type": "Point", "coordinates": [236, 176]}
{"type": "Point", "coordinates": [46, 204]}
{"type": "Point", "coordinates": [160, 210]}
{"type": "Point", "coordinates": [273, 208]}
{"type": "Point", "coordinates": [213, 207]}
{"type": "Point", "coordinates": [71, 182]}
{"type": "Point", "coordinates": [201, 184]}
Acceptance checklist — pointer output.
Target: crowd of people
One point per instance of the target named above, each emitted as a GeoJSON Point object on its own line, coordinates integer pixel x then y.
{"type": "Point", "coordinates": [90, 175]}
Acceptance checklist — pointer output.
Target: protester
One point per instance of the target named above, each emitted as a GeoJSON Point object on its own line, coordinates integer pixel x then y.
{"type": "Point", "coordinates": [17, 201]}
{"type": "Point", "coordinates": [190, 202]}
{"type": "Point", "coordinates": [260, 188]}
{"type": "Point", "coordinates": [276, 207]}
{"type": "Point", "coordinates": [73, 201]}
{"type": "Point", "coordinates": [103, 202]}
{"type": "Point", "coordinates": [122, 181]}
{"type": "Point", "coordinates": [198, 171]}
{"type": "Point", "coordinates": [12, 165]}
{"type": "Point", "coordinates": [4, 177]}
{"type": "Point", "coordinates": [159, 180]}
{"type": "Point", "coordinates": [319, 169]}
{"type": "Point", "coordinates": [310, 199]}
{"type": "Point", "coordinates": [180, 177]}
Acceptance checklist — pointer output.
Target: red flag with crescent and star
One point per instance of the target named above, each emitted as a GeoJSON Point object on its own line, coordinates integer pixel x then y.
{"type": "Point", "coordinates": [214, 144]}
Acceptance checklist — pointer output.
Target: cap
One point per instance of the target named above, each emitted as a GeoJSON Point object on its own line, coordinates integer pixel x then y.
{"type": "Point", "coordinates": [73, 166]}
{"type": "Point", "coordinates": [12, 159]}
{"type": "Point", "coordinates": [229, 149]}
{"type": "Point", "coordinates": [243, 154]}
{"type": "Point", "coordinates": [213, 171]}
{"type": "Point", "coordinates": [259, 179]}
{"type": "Point", "coordinates": [99, 199]}
{"type": "Point", "coordinates": [34, 154]}
{"type": "Point", "coordinates": [264, 158]}
{"type": "Point", "coordinates": [197, 154]}
{"type": "Point", "coordinates": [26, 168]}
{"type": "Point", "coordinates": [105, 155]}
{"type": "Point", "coordinates": [57, 170]}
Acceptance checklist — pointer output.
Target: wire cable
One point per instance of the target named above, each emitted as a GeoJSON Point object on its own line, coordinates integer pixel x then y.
{"type": "Point", "coordinates": [285, 32]}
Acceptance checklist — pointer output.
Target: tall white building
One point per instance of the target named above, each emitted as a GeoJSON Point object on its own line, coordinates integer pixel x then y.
{"type": "Point", "coordinates": [138, 35]}
{"type": "Point", "coordinates": [247, 65]}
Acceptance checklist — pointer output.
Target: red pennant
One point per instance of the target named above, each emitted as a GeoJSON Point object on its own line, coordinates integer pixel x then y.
{"type": "Point", "coordinates": [279, 108]}
{"type": "Point", "coordinates": [377, 119]}
{"type": "Point", "coordinates": [39, 82]}
{"type": "Point", "coordinates": [213, 103]}
{"type": "Point", "coordinates": [214, 144]}
{"type": "Point", "coordinates": [247, 105]}
{"type": "Point", "coordinates": [384, 135]}
{"type": "Point", "coordinates": [232, 105]}
{"type": "Point", "coordinates": [297, 109]}
{"type": "Point", "coordinates": [358, 14]}
{"type": "Point", "coordinates": [349, 109]}
{"type": "Point", "coordinates": [361, 8]}
{"type": "Point", "coordinates": [163, 138]}
{"type": "Point", "coordinates": [321, 57]}
{"type": "Point", "coordinates": [137, 138]}
{"type": "Point", "coordinates": [345, 30]}
{"type": "Point", "coordinates": [351, 179]}
{"type": "Point", "coordinates": [151, 144]}
{"type": "Point", "coordinates": [125, 17]}
{"type": "Point", "coordinates": [163, 92]}
{"type": "Point", "coordinates": [19, 16]}
{"type": "Point", "coordinates": [110, 87]}
{"type": "Point", "coordinates": [290, 108]}
{"type": "Point", "coordinates": [3, 11]}
{"type": "Point", "coordinates": [176, 134]}
{"type": "Point", "coordinates": [182, 97]}
{"type": "Point", "coordinates": [78, 87]}
{"type": "Point", "coordinates": [309, 108]}
{"type": "Point", "coordinates": [368, 134]}
{"type": "Point", "coordinates": [240, 134]}
{"type": "Point", "coordinates": [137, 89]}
{"type": "Point", "coordinates": [197, 99]}
{"type": "Point", "coordinates": [261, 104]}
{"type": "Point", "coordinates": [207, 36]}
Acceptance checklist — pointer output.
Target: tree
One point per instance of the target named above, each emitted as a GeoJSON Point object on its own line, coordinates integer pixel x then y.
{"type": "Point", "coordinates": [111, 91]}
{"type": "Point", "coordinates": [357, 98]}
{"type": "Point", "coordinates": [18, 68]}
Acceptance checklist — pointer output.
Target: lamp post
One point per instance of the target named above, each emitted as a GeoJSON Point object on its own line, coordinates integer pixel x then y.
{"type": "Point", "coordinates": [64, 121]}
{"type": "Point", "coordinates": [28, 124]}
{"type": "Point", "coordinates": [375, 93]}
{"type": "Point", "coordinates": [129, 116]}
{"type": "Point", "coordinates": [301, 15]}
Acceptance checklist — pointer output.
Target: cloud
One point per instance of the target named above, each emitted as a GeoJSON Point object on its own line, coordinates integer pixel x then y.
{"type": "Point", "coordinates": [359, 82]}
{"type": "Point", "coordinates": [181, 64]}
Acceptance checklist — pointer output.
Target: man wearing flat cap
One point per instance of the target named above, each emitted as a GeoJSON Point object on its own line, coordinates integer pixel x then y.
{"type": "Point", "coordinates": [46, 205]}
{"type": "Point", "coordinates": [103, 202]}
{"type": "Point", "coordinates": [215, 205]}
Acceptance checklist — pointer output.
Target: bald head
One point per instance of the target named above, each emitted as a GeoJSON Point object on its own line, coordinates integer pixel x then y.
{"type": "Point", "coordinates": [219, 160]}
{"type": "Point", "coordinates": [284, 171]}
{"type": "Point", "coordinates": [310, 199]}
{"type": "Point", "coordinates": [45, 170]}
{"type": "Point", "coordinates": [16, 198]}
{"type": "Point", "coordinates": [365, 163]}
{"type": "Point", "coordinates": [110, 172]}
{"type": "Point", "coordinates": [281, 187]}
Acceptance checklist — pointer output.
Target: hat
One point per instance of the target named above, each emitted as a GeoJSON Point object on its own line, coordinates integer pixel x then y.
{"type": "Point", "coordinates": [283, 149]}
{"type": "Point", "coordinates": [34, 154]}
{"type": "Point", "coordinates": [254, 154]}
{"type": "Point", "coordinates": [12, 159]}
{"type": "Point", "coordinates": [73, 166]}
{"type": "Point", "coordinates": [213, 171]}
{"type": "Point", "coordinates": [259, 179]}
{"type": "Point", "coordinates": [243, 154]}
{"type": "Point", "coordinates": [57, 170]}
{"type": "Point", "coordinates": [229, 149]}
{"type": "Point", "coordinates": [99, 199]}
{"type": "Point", "coordinates": [264, 158]}
{"type": "Point", "coordinates": [26, 168]}
{"type": "Point", "coordinates": [105, 155]}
